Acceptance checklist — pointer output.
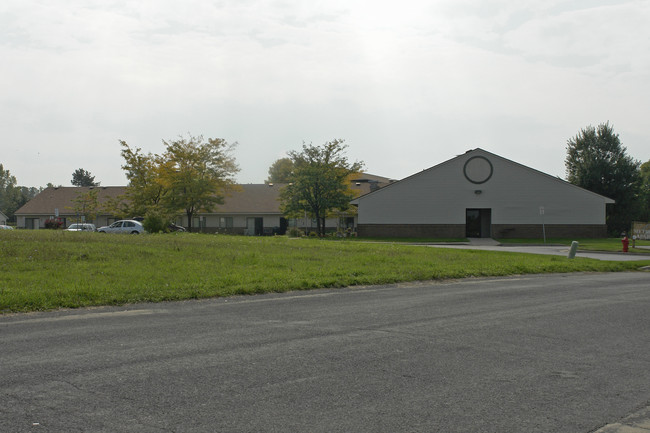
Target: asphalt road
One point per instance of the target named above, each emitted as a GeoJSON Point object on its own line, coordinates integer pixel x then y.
{"type": "Point", "coordinates": [552, 353]}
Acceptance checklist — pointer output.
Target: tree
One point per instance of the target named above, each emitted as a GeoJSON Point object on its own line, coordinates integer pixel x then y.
{"type": "Point", "coordinates": [598, 162]}
{"type": "Point", "coordinates": [280, 171]}
{"type": "Point", "coordinates": [81, 177]}
{"type": "Point", "coordinates": [197, 173]}
{"type": "Point", "coordinates": [7, 192]}
{"type": "Point", "coordinates": [645, 190]}
{"type": "Point", "coordinates": [146, 188]}
{"type": "Point", "coordinates": [192, 175]}
{"type": "Point", "coordinates": [319, 182]}
{"type": "Point", "coordinates": [13, 196]}
{"type": "Point", "coordinates": [87, 205]}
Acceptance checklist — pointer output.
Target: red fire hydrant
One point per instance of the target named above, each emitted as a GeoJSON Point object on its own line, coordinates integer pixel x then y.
{"type": "Point", "coordinates": [626, 243]}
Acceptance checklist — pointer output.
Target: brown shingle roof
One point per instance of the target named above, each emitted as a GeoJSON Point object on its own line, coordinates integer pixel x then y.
{"type": "Point", "coordinates": [245, 199]}
{"type": "Point", "coordinates": [364, 183]}
{"type": "Point", "coordinates": [252, 198]}
{"type": "Point", "coordinates": [63, 197]}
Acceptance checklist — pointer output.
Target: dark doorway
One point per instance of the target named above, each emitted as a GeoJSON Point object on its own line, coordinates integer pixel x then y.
{"type": "Point", "coordinates": [284, 224]}
{"type": "Point", "coordinates": [478, 223]}
{"type": "Point", "coordinates": [254, 226]}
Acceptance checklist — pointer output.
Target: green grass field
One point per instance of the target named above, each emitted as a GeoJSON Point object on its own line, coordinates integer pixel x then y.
{"type": "Point", "coordinates": [45, 269]}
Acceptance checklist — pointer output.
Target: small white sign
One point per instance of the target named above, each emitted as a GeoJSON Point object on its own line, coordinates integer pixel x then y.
{"type": "Point", "coordinates": [56, 212]}
{"type": "Point", "coordinates": [541, 210]}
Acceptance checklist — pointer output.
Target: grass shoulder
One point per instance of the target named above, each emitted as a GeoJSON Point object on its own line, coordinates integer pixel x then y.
{"type": "Point", "coordinates": [45, 269]}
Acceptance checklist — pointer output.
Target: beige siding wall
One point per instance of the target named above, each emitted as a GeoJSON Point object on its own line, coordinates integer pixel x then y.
{"type": "Point", "coordinates": [101, 220]}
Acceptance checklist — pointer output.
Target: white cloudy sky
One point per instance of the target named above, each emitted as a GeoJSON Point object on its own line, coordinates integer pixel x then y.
{"type": "Point", "coordinates": [408, 84]}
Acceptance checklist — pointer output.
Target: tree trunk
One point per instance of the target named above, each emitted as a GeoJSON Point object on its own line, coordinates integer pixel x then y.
{"type": "Point", "coordinates": [321, 227]}
{"type": "Point", "coordinates": [189, 221]}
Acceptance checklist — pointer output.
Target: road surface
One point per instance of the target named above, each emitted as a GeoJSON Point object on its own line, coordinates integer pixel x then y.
{"type": "Point", "coordinates": [548, 353]}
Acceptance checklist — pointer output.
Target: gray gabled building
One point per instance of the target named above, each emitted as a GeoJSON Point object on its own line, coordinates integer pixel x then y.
{"type": "Point", "coordinates": [480, 194]}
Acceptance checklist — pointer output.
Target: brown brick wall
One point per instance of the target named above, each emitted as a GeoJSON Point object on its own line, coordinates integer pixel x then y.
{"type": "Point", "coordinates": [552, 231]}
{"type": "Point", "coordinates": [498, 231]}
{"type": "Point", "coordinates": [411, 230]}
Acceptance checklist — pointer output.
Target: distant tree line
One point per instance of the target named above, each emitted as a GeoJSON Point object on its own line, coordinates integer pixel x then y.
{"type": "Point", "coordinates": [12, 195]}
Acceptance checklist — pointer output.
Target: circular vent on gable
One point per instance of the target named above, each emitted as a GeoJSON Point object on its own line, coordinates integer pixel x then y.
{"type": "Point", "coordinates": [478, 169]}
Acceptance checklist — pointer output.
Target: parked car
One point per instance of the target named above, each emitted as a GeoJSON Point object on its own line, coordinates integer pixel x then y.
{"type": "Point", "coordinates": [175, 228]}
{"type": "Point", "coordinates": [3, 227]}
{"type": "Point", "coordinates": [123, 226]}
{"type": "Point", "coordinates": [81, 228]}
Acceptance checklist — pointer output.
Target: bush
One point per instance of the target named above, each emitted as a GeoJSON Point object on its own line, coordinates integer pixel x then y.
{"type": "Point", "coordinates": [294, 232]}
{"type": "Point", "coordinates": [53, 223]}
{"type": "Point", "coordinates": [154, 223]}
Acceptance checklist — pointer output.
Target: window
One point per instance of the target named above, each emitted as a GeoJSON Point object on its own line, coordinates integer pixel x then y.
{"type": "Point", "coordinates": [225, 222]}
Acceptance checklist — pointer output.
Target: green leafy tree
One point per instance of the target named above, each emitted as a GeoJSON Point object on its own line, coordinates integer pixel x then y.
{"type": "Point", "coordinates": [86, 204]}
{"type": "Point", "coordinates": [280, 171]}
{"type": "Point", "coordinates": [197, 173]}
{"type": "Point", "coordinates": [192, 175]}
{"type": "Point", "coordinates": [81, 177]}
{"type": "Point", "coordinates": [13, 196]}
{"type": "Point", "coordinates": [645, 190]}
{"type": "Point", "coordinates": [146, 188]}
{"type": "Point", "coordinates": [598, 162]}
{"type": "Point", "coordinates": [319, 183]}
{"type": "Point", "coordinates": [8, 193]}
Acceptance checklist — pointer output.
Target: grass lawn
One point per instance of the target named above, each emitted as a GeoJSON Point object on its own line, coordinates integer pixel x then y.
{"type": "Point", "coordinates": [43, 269]}
{"type": "Point", "coordinates": [608, 244]}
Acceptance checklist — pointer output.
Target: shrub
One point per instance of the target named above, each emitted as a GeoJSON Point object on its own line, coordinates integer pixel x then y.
{"type": "Point", "coordinates": [154, 223]}
{"type": "Point", "coordinates": [53, 223]}
{"type": "Point", "coordinates": [294, 232]}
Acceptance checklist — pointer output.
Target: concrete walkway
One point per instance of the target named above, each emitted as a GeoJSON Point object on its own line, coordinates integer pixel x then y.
{"type": "Point", "coordinates": [483, 242]}
{"type": "Point", "coordinates": [638, 422]}
{"type": "Point", "coordinates": [556, 250]}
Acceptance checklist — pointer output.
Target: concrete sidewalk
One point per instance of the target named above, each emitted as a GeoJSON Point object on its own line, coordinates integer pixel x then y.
{"type": "Point", "coordinates": [483, 242]}
{"type": "Point", "coordinates": [489, 244]}
{"type": "Point", "coordinates": [637, 422]}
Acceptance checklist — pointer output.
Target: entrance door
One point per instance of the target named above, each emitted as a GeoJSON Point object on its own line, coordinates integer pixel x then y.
{"type": "Point", "coordinates": [478, 223]}
{"type": "Point", "coordinates": [254, 226]}
{"type": "Point", "coordinates": [32, 223]}
{"type": "Point", "coordinates": [284, 224]}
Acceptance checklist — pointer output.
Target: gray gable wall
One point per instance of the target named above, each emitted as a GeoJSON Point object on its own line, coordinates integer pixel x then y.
{"type": "Point", "coordinates": [513, 192]}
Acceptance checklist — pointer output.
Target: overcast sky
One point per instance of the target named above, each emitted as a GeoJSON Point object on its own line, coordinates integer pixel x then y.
{"type": "Point", "coordinates": [407, 84]}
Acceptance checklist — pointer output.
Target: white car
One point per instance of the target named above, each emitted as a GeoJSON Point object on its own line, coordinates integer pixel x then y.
{"type": "Point", "coordinates": [123, 226]}
{"type": "Point", "coordinates": [4, 227]}
{"type": "Point", "coordinates": [81, 228]}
